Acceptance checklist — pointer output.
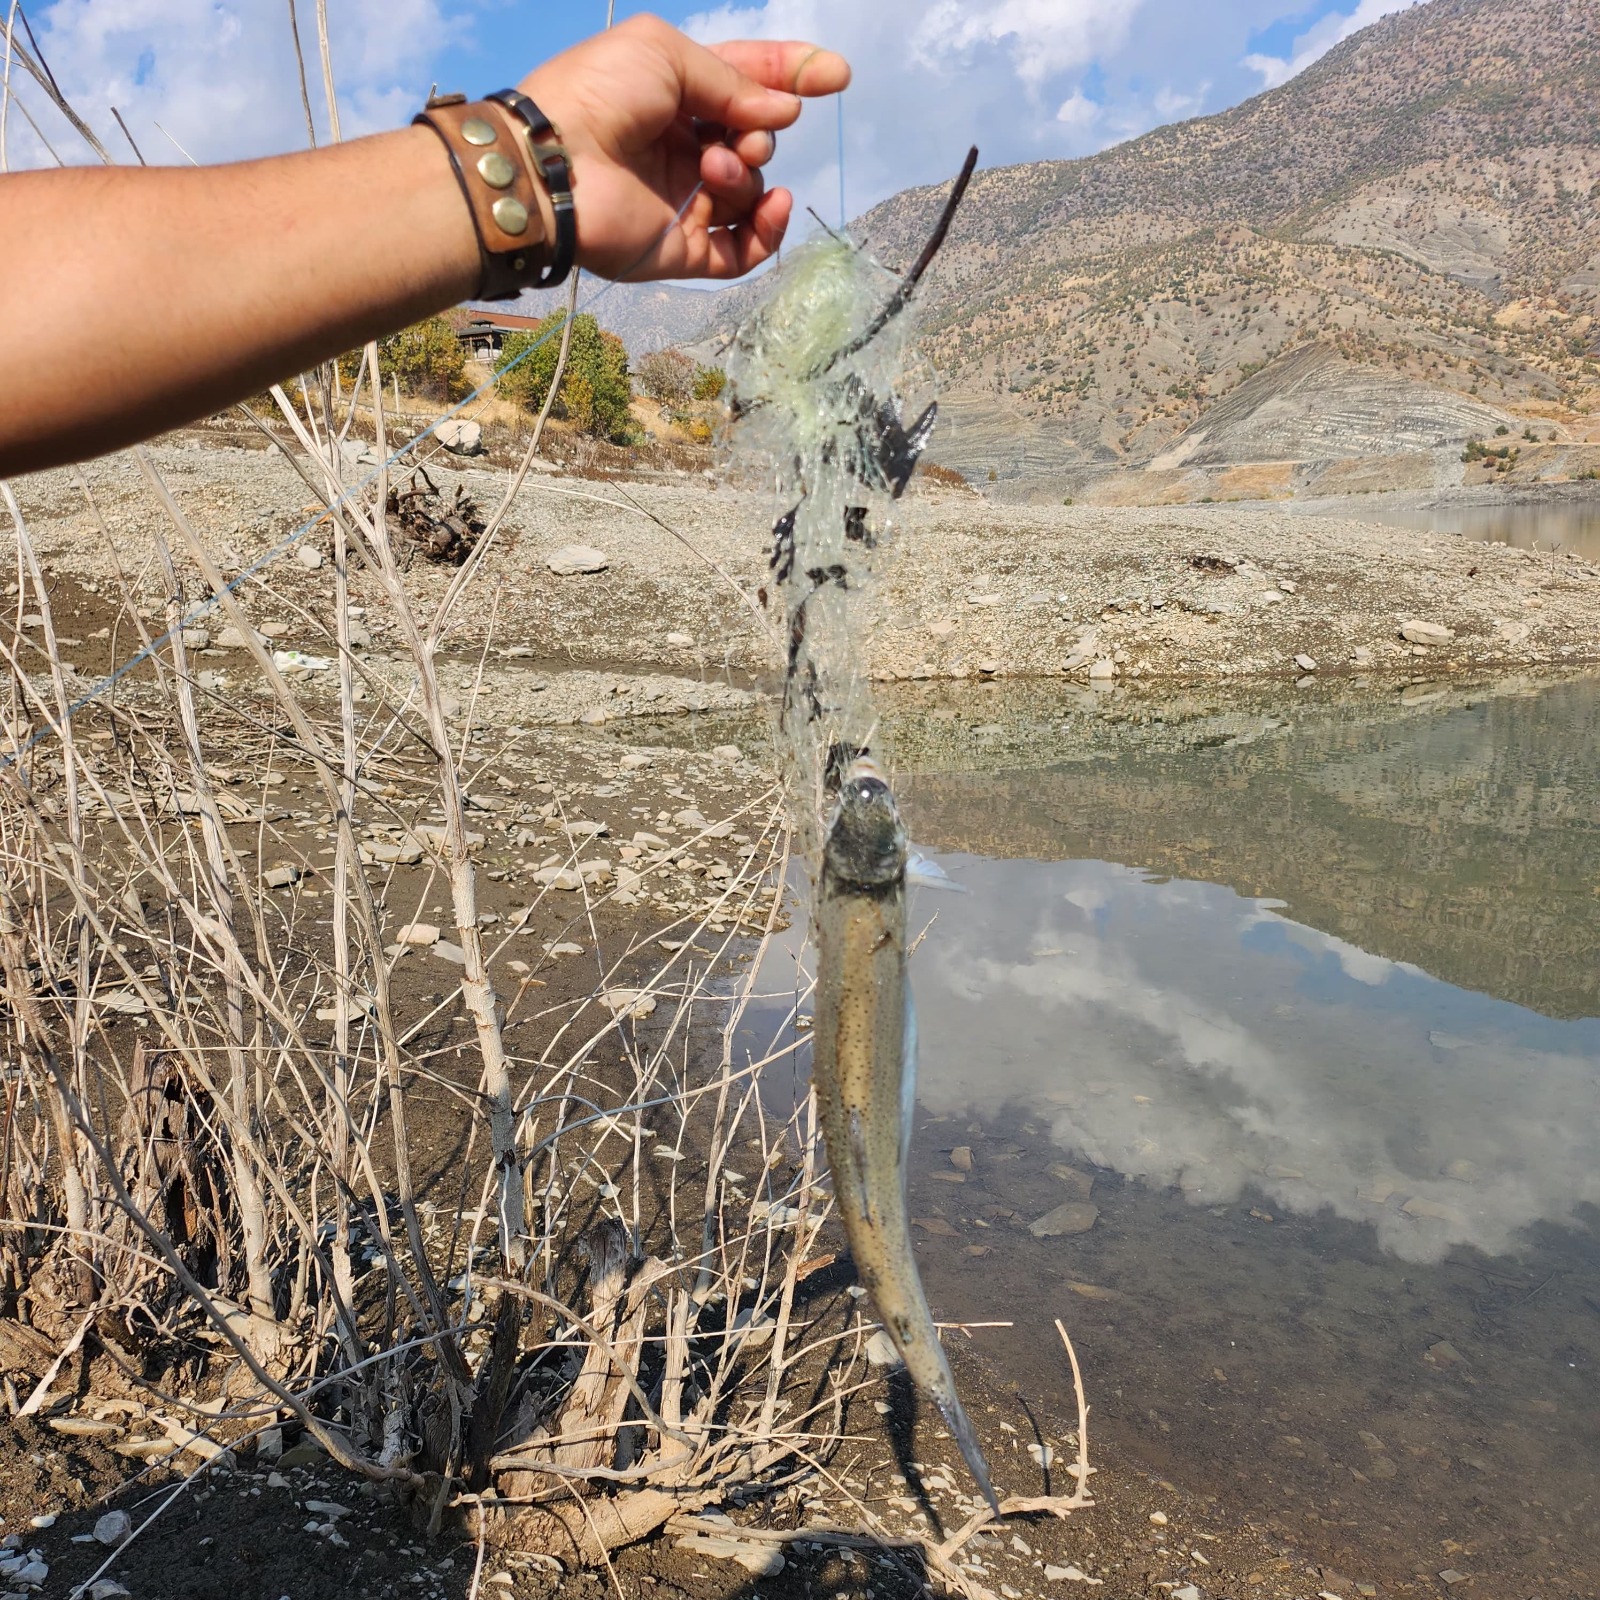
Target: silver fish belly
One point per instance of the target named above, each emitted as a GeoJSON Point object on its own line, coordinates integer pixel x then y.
{"type": "Point", "coordinates": [863, 1068]}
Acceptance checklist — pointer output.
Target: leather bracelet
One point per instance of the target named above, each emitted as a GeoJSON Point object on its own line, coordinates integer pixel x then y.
{"type": "Point", "coordinates": [489, 161]}
{"type": "Point", "coordinates": [555, 172]}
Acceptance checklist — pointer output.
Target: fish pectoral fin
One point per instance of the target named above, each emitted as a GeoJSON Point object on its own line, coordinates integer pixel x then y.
{"type": "Point", "coordinates": [858, 1160]}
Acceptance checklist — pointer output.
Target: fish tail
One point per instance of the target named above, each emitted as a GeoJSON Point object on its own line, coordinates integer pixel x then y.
{"type": "Point", "coordinates": [960, 1426]}
{"type": "Point", "coordinates": [929, 1368]}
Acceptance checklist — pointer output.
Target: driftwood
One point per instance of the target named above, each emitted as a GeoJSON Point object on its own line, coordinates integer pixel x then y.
{"type": "Point", "coordinates": [440, 529]}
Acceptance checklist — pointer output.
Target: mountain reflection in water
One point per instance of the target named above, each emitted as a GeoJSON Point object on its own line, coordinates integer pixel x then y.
{"type": "Point", "coordinates": [1184, 1035]}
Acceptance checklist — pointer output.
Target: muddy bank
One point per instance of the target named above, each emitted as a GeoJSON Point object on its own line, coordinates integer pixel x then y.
{"type": "Point", "coordinates": [970, 589]}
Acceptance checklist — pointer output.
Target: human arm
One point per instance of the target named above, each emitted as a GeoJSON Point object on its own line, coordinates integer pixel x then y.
{"type": "Point", "coordinates": [135, 299]}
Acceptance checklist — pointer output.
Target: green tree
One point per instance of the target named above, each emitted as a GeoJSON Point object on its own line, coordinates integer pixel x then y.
{"type": "Point", "coordinates": [595, 389]}
{"type": "Point", "coordinates": [427, 358]}
{"type": "Point", "coordinates": [709, 382]}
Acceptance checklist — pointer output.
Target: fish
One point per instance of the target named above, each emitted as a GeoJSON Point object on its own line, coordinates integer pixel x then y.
{"type": "Point", "coordinates": [864, 1072]}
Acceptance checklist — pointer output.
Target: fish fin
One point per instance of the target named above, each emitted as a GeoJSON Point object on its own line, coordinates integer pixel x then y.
{"type": "Point", "coordinates": [858, 1159]}
{"type": "Point", "coordinates": [960, 1426]}
{"type": "Point", "coordinates": [908, 1083]}
{"type": "Point", "coordinates": [921, 873]}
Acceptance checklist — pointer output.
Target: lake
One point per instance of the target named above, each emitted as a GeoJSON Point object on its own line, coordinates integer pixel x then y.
{"type": "Point", "coordinates": [1299, 990]}
{"type": "Point", "coordinates": [1552, 526]}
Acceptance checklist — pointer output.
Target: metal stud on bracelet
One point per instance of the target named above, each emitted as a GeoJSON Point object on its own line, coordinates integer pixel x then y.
{"type": "Point", "coordinates": [492, 169]}
{"type": "Point", "coordinates": [555, 172]}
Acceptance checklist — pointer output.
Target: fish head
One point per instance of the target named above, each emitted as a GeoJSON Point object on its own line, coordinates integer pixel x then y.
{"type": "Point", "coordinates": [866, 843]}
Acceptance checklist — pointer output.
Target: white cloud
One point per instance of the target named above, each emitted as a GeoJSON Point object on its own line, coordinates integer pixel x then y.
{"type": "Point", "coordinates": [220, 74]}
{"type": "Point", "coordinates": [931, 79]}
{"type": "Point", "coordinates": [1320, 39]}
{"type": "Point", "coordinates": [1042, 37]}
{"type": "Point", "coordinates": [1078, 110]}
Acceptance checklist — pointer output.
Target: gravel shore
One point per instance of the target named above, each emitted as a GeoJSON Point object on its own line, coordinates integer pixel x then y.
{"type": "Point", "coordinates": [969, 588]}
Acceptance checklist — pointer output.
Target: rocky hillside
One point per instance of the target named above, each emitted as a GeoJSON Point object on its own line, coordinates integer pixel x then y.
{"type": "Point", "coordinates": [1392, 253]}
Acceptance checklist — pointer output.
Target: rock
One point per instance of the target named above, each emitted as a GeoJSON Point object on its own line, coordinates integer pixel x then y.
{"type": "Point", "coordinates": [113, 1529]}
{"type": "Point", "coordinates": [1187, 1592]}
{"type": "Point", "coordinates": [384, 852]}
{"type": "Point", "coordinates": [1079, 657]}
{"type": "Point", "coordinates": [628, 1003]}
{"type": "Point", "coordinates": [558, 878]}
{"type": "Point", "coordinates": [1288, 585]}
{"type": "Point", "coordinates": [421, 934]}
{"type": "Point", "coordinates": [1079, 1184]}
{"type": "Point", "coordinates": [30, 1575]}
{"type": "Point", "coordinates": [1159, 1518]}
{"type": "Point", "coordinates": [1361, 656]}
{"type": "Point", "coordinates": [1381, 1467]}
{"type": "Point", "coordinates": [961, 1158]}
{"type": "Point", "coordinates": [988, 669]}
{"type": "Point", "coordinates": [281, 877]}
{"type": "Point", "coordinates": [572, 560]}
{"type": "Point", "coordinates": [594, 716]}
{"type": "Point", "coordinates": [450, 952]}
{"type": "Point", "coordinates": [1103, 669]}
{"type": "Point", "coordinates": [634, 761]}
{"type": "Point", "coordinates": [762, 1560]}
{"type": "Point", "coordinates": [1306, 663]}
{"type": "Point", "coordinates": [1444, 1354]}
{"type": "Point", "coordinates": [196, 639]}
{"type": "Point", "coordinates": [680, 641]}
{"type": "Point", "coordinates": [460, 437]}
{"type": "Point", "coordinates": [727, 752]}
{"type": "Point", "coordinates": [232, 639]}
{"type": "Point", "coordinates": [942, 629]}
{"type": "Point", "coordinates": [274, 630]}
{"type": "Point", "coordinates": [1450, 1577]}
{"type": "Point", "coordinates": [881, 1351]}
{"type": "Point", "coordinates": [360, 639]}
{"type": "Point", "coordinates": [1069, 1574]}
{"type": "Point", "coordinates": [1429, 633]}
{"type": "Point", "coordinates": [106, 1589]}
{"type": "Point", "coordinates": [309, 557]}
{"type": "Point", "coordinates": [585, 830]}
{"type": "Point", "coordinates": [1072, 1216]}
{"type": "Point", "coordinates": [564, 948]}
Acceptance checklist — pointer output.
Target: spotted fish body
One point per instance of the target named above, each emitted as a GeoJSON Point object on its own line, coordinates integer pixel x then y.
{"type": "Point", "coordinates": [863, 1066]}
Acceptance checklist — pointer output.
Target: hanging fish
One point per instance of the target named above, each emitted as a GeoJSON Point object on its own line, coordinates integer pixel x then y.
{"type": "Point", "coordinates": [863, 1064]}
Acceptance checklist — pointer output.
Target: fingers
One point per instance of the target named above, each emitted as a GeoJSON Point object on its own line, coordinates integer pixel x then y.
{"type": "Point", "coordinates": [729, 181]}
{"type": "Point", "coordinates": [717, 91]}
{"type": "Point", "coordinates": [801, 68]}
{"type": "Point", "coordinates": [755, 148]}
{"type": "Point", "coordinates": [732, 252]}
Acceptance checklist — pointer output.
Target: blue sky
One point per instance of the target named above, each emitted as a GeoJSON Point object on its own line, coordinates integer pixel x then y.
{"type": "Point", "coordinates": [1024, 79]}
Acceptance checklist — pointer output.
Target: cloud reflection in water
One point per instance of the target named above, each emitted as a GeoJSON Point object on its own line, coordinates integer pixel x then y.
{"type": "Point", "coordinates": [1185, 1035]}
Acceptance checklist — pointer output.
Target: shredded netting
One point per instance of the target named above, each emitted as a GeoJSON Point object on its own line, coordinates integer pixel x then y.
{"type": "Point", "coordinates": [824, 417]}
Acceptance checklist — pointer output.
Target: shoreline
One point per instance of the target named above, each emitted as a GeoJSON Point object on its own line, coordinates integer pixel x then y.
{"type": "Point", "coordinates": [968, 589]}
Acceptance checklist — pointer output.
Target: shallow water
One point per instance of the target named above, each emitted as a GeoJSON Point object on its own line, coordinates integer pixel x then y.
{"type": "Point", "coordinates": [1307, 991]}
{"type": "Point", "coordinates": [1554, 526]}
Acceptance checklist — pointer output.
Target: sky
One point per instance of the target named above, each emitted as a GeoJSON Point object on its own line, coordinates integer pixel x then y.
{"type": "Point", "coordinates": [1023, 79]}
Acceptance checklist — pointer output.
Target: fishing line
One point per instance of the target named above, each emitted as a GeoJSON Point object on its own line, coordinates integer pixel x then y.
{"type": "Point", "coordinates": [289, 541]}
{"type": "Point", "coordinates": [843, 218]}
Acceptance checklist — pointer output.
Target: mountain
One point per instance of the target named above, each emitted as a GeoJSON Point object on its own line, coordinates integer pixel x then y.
{"type": "Point", "coordinates": [1389, 255]}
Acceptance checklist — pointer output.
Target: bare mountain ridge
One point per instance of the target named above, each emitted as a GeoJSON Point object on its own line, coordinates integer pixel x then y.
{"type": "Point", "coordinates": [1416, 209]}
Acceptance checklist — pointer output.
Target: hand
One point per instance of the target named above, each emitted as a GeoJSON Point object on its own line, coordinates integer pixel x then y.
{"type": "Point", "coordinates": [646, 114]}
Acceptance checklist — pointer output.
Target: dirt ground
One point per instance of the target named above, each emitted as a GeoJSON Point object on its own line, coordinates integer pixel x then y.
{"type": "Point", "coordinates": [660, 658]}
{"type": "Point", "coordinates": [969, 588]}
